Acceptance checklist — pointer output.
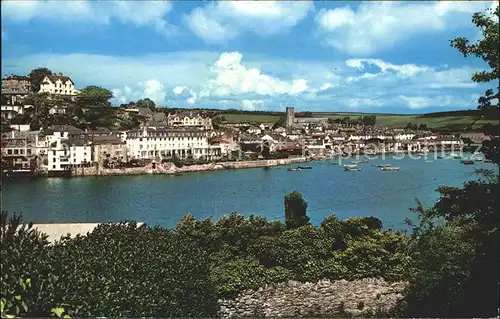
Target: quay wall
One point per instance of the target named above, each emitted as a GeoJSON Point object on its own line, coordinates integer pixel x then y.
{"type": "Point", "coordinates": [170, 168]}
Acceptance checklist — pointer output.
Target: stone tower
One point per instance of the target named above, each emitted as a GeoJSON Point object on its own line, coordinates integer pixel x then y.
{"type": "Point", "coordinates": [289, 117]}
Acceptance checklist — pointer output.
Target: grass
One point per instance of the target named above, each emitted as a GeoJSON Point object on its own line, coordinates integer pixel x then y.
{"type": "Point", "coordinates": [453, 122]}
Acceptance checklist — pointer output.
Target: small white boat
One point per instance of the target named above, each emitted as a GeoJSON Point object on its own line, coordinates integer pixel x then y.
{"type": "Point", "coordinates": [352, 169]}
{"type": "Point", "coordinates": [350, 165]}
{"type": "Point", "coordinates": [390, 168]}
{"type": "Point", "coordinates": [429, 161]}
{"type": "Point", "coordinates": [383, 165]}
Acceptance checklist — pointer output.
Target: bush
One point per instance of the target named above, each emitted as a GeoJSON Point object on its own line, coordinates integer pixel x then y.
{"type": "Point", "coordinates": [116, 270]}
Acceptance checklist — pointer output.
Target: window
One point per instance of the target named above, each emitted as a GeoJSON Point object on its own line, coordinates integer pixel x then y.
{"type": "Point", "coordinates": [53, 152]}
{"type": "Point", "coordinates": [53, 166]}
{"type": "Point", "coordinates": [28, 151]}
{"type": "Point", "coordinates": [54, 159]}
{"type": "Point", "coordinates": [9, 152]}
{"type": "Point", "coordinates": [21, 151]}
{"type": "Point", "coordinates": [16, 151]}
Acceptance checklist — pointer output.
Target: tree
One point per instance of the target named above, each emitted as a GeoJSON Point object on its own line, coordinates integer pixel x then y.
{"type": "Point", "coordinates": [462, 230]}
{"type": "Point", "coordinates": [423, 127]}
{"type": "Point", "coordinates": [369, 120]}
{"type": "Point", "coordinates": [147, 102]}
{"type": "Point", "coordinates": [486, 49]}
{"type": "Point", "coordinates": [92, 96]}
{"type": "Point", "coordinates": [295, 210]}
{"type": "Point", "coordinates": [37, 75]}
{"type": "Point", "coordinates": [279, 123]}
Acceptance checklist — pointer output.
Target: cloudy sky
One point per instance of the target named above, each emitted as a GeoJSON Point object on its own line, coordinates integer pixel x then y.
{"type": "Point", "coordinates": [320, 56]}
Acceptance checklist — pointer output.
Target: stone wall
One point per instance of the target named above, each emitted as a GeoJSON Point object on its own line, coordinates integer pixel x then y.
{"type": "Point", "coordinates": [322, 299]}
{"type": "Point", "coordinates": [170, 168]}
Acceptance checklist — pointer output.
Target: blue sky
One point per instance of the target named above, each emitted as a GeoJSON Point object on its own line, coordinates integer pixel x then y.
{"type": "Point", "coordinates": [320, 56]}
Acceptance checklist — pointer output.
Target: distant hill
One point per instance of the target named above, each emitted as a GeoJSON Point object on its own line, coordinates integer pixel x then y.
{"type": "Point", "coordinates": [451, 121]}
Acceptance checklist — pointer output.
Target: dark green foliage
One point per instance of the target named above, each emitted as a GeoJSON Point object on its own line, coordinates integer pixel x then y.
{"type": "Point", "coordinates": [94, 96]}
{"type": "Point", "coordinates": [147, 102]}
{"type": "Point", "coordinates": [23, 262]}
{"type": "Point", "coordinates": [295, 210]}
{"type": "Point", "coordinates": [486, 49]}
{"type": "Point", "coordinates": [248, 253]}
{"type": "Point", "coordinates": [117, 270]}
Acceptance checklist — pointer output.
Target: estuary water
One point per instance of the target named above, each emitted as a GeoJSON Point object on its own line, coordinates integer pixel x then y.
{"type": "Point", "coordinates": [164, 199]}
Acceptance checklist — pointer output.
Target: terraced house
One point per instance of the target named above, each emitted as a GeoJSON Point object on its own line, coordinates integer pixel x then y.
{"type": "Point", "coordinates": [165, 142]}
{"type": "Point", "coordinates": [189, 119]}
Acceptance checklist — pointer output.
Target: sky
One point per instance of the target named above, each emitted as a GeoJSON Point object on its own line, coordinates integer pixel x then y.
{"type": "Point", "coordinates": [384, 57]}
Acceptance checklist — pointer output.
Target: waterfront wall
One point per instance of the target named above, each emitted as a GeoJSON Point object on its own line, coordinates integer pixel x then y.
{"type": "Point", "coordinates": [334, 299]}
{"type": "Point", "coordinates": [170, 168]}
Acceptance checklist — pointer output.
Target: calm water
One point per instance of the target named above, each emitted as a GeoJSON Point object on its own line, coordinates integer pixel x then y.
{"type": "Point", "coordinates": [163, 200]}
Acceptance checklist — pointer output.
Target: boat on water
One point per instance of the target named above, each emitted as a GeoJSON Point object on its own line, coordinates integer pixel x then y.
{"type": "Point", "coordinates": [350, 165]}
{"type": "Point", "coordinates": [390, 168]}
{"type": "Point", "coordinates": [440, 157]}
{"type": "Point", "coordinates": [487, 161]}
{"type": "Point", "coordinates": [352, 169]}
{"type": "Point", "coordinates": [292, 169]}
{"type": "Point", "coordinates": [428, 161]}
{"type": "Point", "coordinates": [479, 159]}
{"type": "Point", "coordinates": [467, 162]}
{"type": "Point", "coordinates": [305, 167]}
{"type": "Point", "coordinates": [383, 165]}
{"type": "Point", "coordinates": [361, 162]}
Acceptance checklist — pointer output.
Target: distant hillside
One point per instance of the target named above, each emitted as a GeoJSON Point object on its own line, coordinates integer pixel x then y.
{"type": "Point", "coordinates": [452, 121]}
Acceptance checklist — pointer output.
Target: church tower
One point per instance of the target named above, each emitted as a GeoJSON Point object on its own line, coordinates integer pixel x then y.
{"type": "Point", "coordinates": [289, 117]}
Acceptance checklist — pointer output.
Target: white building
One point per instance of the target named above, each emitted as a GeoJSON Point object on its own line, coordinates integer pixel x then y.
{"type": "Point", "coordinates": [189, 119]}
{"type": "Point", "coordinates": [404, 136]}
{"type": "Point", "coordinates": [161, 142]}
{"type": "Point", "coordinates": [58, 85]}
{"type": "Point", "coordinates": [64, 153]}
{"type": "Point", "coordinates": [63, 147]}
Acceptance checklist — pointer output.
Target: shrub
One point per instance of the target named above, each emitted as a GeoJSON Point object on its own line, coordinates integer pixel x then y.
{"type": "Point", "coordinates": [116, 270]}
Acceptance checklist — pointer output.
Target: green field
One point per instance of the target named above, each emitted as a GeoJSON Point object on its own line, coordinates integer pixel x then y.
{"type": "Point", "coordinates": [455, 121]}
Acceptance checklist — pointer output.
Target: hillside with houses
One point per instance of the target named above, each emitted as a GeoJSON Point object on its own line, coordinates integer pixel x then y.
{"type": "Point", "coordinates": [50, 127]}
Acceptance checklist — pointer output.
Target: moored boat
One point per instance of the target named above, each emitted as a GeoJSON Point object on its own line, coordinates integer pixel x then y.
{"type": "Point", "coordinates": [305, 167]}
{"type": "Point", "coordinates": [294, 169]}
{"type": "Point", "coordinates": [352, 169]}
{"type": "Point", "coordinates": [428, 161]}
{"type": "Point", "coordinates": [383, 165]}
{"type": "Point", "coordinates": [467, 162]}
{"type": "Point", "coordinates": [390, 168]}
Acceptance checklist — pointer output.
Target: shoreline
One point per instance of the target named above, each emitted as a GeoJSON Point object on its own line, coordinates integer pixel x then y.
{"type": "Point", "coordinates": [171, 169]}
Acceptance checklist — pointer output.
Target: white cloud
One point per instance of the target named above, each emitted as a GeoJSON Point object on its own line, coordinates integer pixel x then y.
{"type": "Point", "coordinates": [252, 105]}
{"type": "Point", "coordinates": [224, 20]}
{"type": "Point", "coordinates": [232, 77]}
{"type": "Point", "coordinates": [147, 13]}
{"type": "Point", "coordinates": [420, 102]}
{"type": "Point", "coordinates": [404, 70]}
{"type": "Point", "coordinates": [378, 25]}
{"type": "Point", "coordinates": [229, 79]}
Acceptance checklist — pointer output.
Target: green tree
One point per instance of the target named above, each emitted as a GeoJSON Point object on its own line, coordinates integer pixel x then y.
{"type": "Point", "coordinates": [279, 123]}
{"type": "Point", "coordinates": [92, 96]}
{"type": "Point", "coordinates": [486, 49]}
{"type": "Point", "coordinates": [295, 210]}
{"type": "Point", "coordinates": [455, 247]}
{"type": "Point", "coordinates": [147, 102]}
{"type": "Point", "coordinates": [37, 75]}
